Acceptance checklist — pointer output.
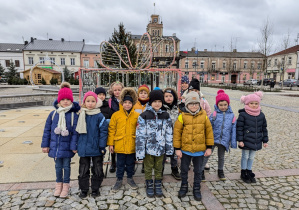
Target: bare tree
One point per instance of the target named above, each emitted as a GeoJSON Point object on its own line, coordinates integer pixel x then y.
{"type": "Point", "coordinates": [285, 45]}
{"type": "Point", "coordinates": [265, 42]}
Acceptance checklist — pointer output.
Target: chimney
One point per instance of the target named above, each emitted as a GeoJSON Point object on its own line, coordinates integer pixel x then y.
{"type": "Point", "coordinates": [62, 39]}
{"type": "Point", "coordinates": [205, 50]}
{"type": "Point", "coordinates": [26, 42]}
{"type": "Point", "coordinates": [234, 50]}
{"type": "Point", "coordinates": [31, 39]}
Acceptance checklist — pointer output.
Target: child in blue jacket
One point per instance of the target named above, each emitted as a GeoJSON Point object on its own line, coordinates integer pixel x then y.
{"type": "Point", "coordinates": [224, 130]}
{"type": "Point", "coordinates": [93, 132]}
{"type": "Point", "coordinates": [60, 138]}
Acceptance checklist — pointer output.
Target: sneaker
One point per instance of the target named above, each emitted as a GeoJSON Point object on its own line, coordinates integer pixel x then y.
{"type": "Point", "coordinates": [203, 178]}
{"type": "Point", "coordinates": [132, 184]}
{"type": "Point", "coordinates": [183, 190]}
{"type": "Point", "coordinates": [83, 194]}
{"type": "Point", "coordinates": [117, 185]}
{"type": "Point", "coordinates": [95, 193]}
{"type": "Point", "coordinates": [175, 173]}
{"type": "Point", "coordinates": [112, 168]}
{"type": "Point", "coordinates": [207, 167]}
{"type": "Point", "coordinates": [149, 188]}
{"type": "Point", "coordinates": [221, 175]}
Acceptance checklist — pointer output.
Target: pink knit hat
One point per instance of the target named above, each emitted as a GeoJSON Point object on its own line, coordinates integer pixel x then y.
{"type": "Point", "coordinates": [90, 93]}
{"type": "Point", "coordinates": [65, 92]}
{"type": "Point", "coordinates": [222, 96]}
{"type": "Point", "coordinates": [257, 96]}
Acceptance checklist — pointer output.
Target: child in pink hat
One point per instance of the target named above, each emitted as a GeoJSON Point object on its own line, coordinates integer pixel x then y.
{"type": "Point", "coordinates": [224, 130]}
{"type": "Point", "coordinates": [252, 133]}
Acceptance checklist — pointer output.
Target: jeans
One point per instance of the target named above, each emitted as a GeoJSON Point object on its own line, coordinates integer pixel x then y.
{"type": "Point", "coordinates": [247, 159]}
{"type": "Point", "coordinates": [153, 162]}
{"type": "Point", "coordinates": [221, 153]}
{"type": "Point", "coordinates": [84, 173]}
{"type": "Point", "coordinates": [63, 169]}
{"type": "Point", "coordinates": [125, 162]}
{"type": "Point", "coordinates": [197, 164]}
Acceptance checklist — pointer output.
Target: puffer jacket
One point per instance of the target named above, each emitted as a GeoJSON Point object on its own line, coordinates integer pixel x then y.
{"type": "Point", "coordinates": [252, 130]}
{"type": "Point", "coordinates": [193, 133]}
{"type": "Point", "coordinates": [153, 133]}
{"type": "Point", "coordinates": [173, 113]}
{"type": "Point", "coordinates": [139, 107]}
{"type": "Point", "coordinates": [93, 142]}
{"type": "Point", "coordinates": [122, 131]}
{"type": "Point", "coordinates": [224, 128]}
{"type": "Point", "coordinates": [61, 146]}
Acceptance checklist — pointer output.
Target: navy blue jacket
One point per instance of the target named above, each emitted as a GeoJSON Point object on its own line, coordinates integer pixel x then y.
{"type": "Point", "coordinates": [93, 142]}
{"type": "Point", "coordinates": [252, 130]}
{"type": "Point", "coordinates": [61, 146]}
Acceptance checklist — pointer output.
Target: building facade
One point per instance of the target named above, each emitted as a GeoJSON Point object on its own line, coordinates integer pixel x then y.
{"type": "Point", "coordinates": [12, 53]}
{"type": "Point", "coordinates": [222, 67]}
{"type": "Point", "coordinates": [284, 64]}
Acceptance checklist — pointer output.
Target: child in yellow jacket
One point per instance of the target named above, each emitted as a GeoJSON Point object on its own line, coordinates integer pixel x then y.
{"type": "Point", "coordinates": [192, 139]}
{"type": "Point", "coordinates": [121, 137]}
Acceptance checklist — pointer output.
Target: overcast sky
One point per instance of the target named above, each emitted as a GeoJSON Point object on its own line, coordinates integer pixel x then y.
{"type": "Point", "coordinates": [206, 24]}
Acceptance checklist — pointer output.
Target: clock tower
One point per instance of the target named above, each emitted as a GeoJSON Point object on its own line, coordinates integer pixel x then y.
{"type": "Point", "coordinates": [155, 26]}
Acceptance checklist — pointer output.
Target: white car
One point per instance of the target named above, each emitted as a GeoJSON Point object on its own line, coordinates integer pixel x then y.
{"type": "Point", "coordinates": [251, 82]}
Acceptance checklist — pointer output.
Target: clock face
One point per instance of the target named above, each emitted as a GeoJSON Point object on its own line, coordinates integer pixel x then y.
{"type": "Point", "coordinates": [155, 20]}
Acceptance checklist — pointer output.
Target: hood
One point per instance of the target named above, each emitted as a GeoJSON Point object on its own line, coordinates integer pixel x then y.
{"type": "Point", "coordinates": [128, 91]}
{"type": "Point", "coordinates": [241, 110]}
{"type": "Point", "coordinates": [229, 110]}
{"type": "Point", "coordinates": [75, 108]}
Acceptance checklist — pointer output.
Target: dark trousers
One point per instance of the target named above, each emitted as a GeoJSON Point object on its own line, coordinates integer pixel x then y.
{"type": "Point", "coordinates": [197, 164]}
{"type": "Point", "coordinates": [84, 173]}
{"type": "Point", "coordinates": [125, 162]}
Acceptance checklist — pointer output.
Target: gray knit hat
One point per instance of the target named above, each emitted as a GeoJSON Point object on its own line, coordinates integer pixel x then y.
{"type": "Point", "coordinates": [192, 97]}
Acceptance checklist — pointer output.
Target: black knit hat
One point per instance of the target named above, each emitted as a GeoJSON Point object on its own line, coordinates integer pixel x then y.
{"type": "Point", "coordinates": [128, 98]}
{"type": "Point", "coordinates": [100, 90]}
{"type": "Point", "coordinates": [156, 95]}
{"type": "Point", "coordinates": [194, 84]}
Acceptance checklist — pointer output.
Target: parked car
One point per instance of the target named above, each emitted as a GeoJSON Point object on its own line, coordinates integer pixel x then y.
{"type": "Point", "coordinates": [267, 81]}
{"type": "Point", "coordinates": [251, 82]}
{"type": "Point", "coordinates": [3, 80]}
{"type": "Point", "coordinates": [290, 83]}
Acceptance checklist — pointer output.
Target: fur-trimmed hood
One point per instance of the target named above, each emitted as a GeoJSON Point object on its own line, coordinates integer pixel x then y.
{"type": "Point", "coordinates": [128, 91]}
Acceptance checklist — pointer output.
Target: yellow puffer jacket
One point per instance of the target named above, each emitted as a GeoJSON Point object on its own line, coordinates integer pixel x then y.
{"type": "Point", "coordinates": [193, 133]}
{"type": "Point", "coordinates": [139, 107]}
{"type": "Point", "coordinates": [122, 131]}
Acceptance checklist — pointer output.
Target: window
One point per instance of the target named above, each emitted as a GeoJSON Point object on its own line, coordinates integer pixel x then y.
{"type": "Point", "coordinates": [234, 66]}
{"type": "Point", "coordinates": [245, 65]}
{"type": "Point", "coordinates": [62, 61]}
{"type": "Point", "coordinates": [17, 63]}
{"type": "Point", "coordinates": [202, 65]}
{"type": "Point", "coordinates": [290, 61]}
{"type": "Point", "coordinates": [52, 60]}
{"type": "Point", "coordinates": [171, 48]}
{"type": "Point", "coordinates": [252, 66]}
{"type": "Point", "coordinates": [259, 66]}
{"type": "Point", "coordinates": [95, 64]}
{"type": "Point", "coordinates": [224, 65]}
{"type": "Point", "coordinates": [30, 60]}
{"type": "Point", "coordinates": [194, 64]}
{"type": "Point", "coordinates": [41, 60]}
{"type": "Point", "coordinates": [186, 64]}
{"type": "Point", "coordinates": [213, 66]}
{"type": "Point", "coordinates": [213, 77]}
{"type": "Point", "coordinates": [86, 63]}
{"type": "Point", "coordinates": [275, 62]}
{"type": "Point", "coordinates": [72, 61]}
{"type": "Point", "coordinates": [269, 62]}
{"type": "Point", "coordinates": [282, 61]}
{"type": "Point", "coordinates": [166, 48]}
{"type": "Point", "coordinates": [7, 63]}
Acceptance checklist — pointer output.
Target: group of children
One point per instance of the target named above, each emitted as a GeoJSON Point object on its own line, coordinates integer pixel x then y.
{"type": "Point", "coordinates": [149, 126]}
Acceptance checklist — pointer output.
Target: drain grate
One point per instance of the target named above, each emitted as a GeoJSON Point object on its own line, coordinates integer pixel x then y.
{"type": "Point", "coordinates": [27, 142]}
{"type": "Point", "coordinates": [36, 115]}
{"type": "Point", "coordinates": [21, 122]}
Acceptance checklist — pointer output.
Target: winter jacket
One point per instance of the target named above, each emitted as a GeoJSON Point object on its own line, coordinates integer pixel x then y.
{"type": "Point", "coordinates": [114, 104]}
{"type": "Point", "coordinates": [203, 104]}
{"type": "Point", "coordinates": [122, 131]}
{"type": "Point", "coordinates": [173, 113]}
{"type": "Point", "coordinates": [93, 142]}
{"type": "Point", "coordinates": [61, 146]}
{"type": "Point", "coordinates": [193, 133]}
{"type": "Point", "coordinates": [153, 133]}
{"type": "Point", "coordinates": [224, 128]}
{"type": "Point", "coordinates": [139, 107]}
{"type": "Point", "coordinates": [106, 110]}
{"type": "Point", "coordinates": [252, 130]}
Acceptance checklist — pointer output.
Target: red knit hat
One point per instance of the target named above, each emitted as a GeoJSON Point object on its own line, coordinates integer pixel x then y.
{"type": "Point", "coordinates": [90, 93]}
{"type": "Point", "coordinates": [222, 96]}
{"type": "Point", "coordinates": [65, 92]}
{"type": "Point", "coordinates": [143, 87]}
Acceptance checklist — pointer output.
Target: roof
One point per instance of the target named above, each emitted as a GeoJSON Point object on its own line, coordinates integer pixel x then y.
{"type": "Point", "coordinates": [45, 69]}
{"type": "Point", "coordinates": [10, 47]}
{"type": "Point", "coordinates": [287, 51]}
{"type": "Point", "coordinates": [222, 54]}
{"type": "Point", "coordinates": [55, 45]}
{"type": "Point", "coordinates": [139, 37]}
{"type": "Point", "coordinates": [91, 48]}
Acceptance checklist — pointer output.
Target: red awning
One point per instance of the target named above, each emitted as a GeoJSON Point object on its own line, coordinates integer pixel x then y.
{"type": "Point", "coordinates": [291, 70]}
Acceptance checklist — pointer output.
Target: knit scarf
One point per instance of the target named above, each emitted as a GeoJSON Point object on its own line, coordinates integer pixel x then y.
{"type": "Point", "coordinates": [143, 102]}
{"type": "Point", "coordinates": [61, 125]}
{"type": "Point", "coordinates": [81, 125]}
{"type": "Point", "coordinates": [253, 112]}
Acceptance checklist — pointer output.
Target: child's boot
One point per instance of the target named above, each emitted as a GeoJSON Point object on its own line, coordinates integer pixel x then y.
{"type": "Point", "coordinates": [221, 175]}
{"type": "Point", "coordinates": [149, 188]}
{"type": "Point", "coordinates": [203, 178]}
{"type": "Point", "coordinates": [175, 173]}
{"type": "Point", "coordinates": [183, 190]}
{"type": "Point", "coordinates": [95, 193]}
{"type": "Point", "coordinates": [58, 189]}
{"type": "Point", "coordinates": [158, 188]}
{"type": "Point", "coordinates": [83, 194]}
{"type": "Point", "coordinates": [244, 176]}
{"type": "Point", "coordinates": [65, 190]}
{"type": "Point", "coordinates": [196, 192]}
{"type": "Point", "coordinates": [251, 176]}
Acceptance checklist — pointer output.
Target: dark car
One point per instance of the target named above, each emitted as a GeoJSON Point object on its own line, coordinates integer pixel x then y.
{"type": "Point", "coordinates": [290, 83]}
{"type": "Point", "coordinates": [267, 81]}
